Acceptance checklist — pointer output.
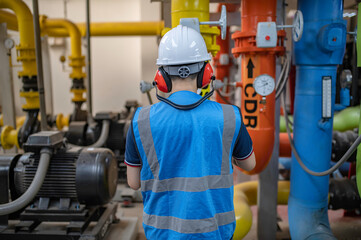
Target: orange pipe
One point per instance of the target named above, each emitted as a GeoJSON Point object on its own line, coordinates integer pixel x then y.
{"type": "Point", "coordinates": [223, 68]}
{"type": "Point", "coordinates": [258, 117]}
{"type": "Point", "coordinates": [285, 146]}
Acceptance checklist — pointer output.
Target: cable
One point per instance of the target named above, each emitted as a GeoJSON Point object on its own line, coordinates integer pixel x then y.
{"type": "Point", "coordinates": [223, 98]}
{"type": "Point", "coordinates": [28, 196]}
{"type": "Point", "coordinates": [283, 78]}
{"type": "Point", "coordinates": [149, 98]}
{"type": "Point", "coordinates": [304, 167]}
{"type": "Point", "coordinates": [188, 106]}
{"type": "Point", "coordinates": [102, 138]}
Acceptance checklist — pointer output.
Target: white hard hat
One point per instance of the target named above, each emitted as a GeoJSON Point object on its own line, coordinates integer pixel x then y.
{"type": "Point", "coordinates": [182, 45]}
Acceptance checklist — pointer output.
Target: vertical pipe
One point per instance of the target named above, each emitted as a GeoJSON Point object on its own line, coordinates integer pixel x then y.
{"type": "Point", "coordinates": [258, 116]}
{"type": "Point", "coordinates": [39, 66]}
{"type": "Point", "coordinates": [358, 46]}
{"type": "Point", "coordinates": [268, 179]}
{"type": "Point", "coordinates": [88, 62]}
{"type": "Point", "coordinates": [223, 61]}
{"type": "Point", "coordinates": [316, 56]}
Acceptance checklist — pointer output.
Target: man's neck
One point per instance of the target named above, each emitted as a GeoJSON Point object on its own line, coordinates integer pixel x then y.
{"type": "Point", "coordinates": [184, 85]}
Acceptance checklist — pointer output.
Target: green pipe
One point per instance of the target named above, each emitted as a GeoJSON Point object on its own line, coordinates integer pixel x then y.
{"type": "Point", "coordinates": [358, 45]}
{"type": "Point", "coordinates": [347, 119]}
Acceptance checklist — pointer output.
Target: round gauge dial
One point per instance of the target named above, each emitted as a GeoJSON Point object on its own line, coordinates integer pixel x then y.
{"type": "Point", "coordinates": [264, 84]}
{"type": "Point", "coordinates": [9, 43]}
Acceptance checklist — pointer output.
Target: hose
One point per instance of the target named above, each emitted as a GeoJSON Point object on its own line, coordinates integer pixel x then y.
{"type": "Point", "coordinates": [304, 167]}
{"type": "Point", "coordinates": [28, 196]}
{"type": "Point", "coordinates": [281, 83]}
{"type": "Point", "coordinates": [102, 138]}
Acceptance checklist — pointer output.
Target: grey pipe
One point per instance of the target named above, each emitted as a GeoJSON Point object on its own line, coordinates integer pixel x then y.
{"type": "Point", "coordinates": [88, 63]}
{"type": "Point", "coordinates": [34, 188]}
{"type": "Point", "coordinates": [39, 66]}
{"type": "Point", "coordinates": [102, 138]}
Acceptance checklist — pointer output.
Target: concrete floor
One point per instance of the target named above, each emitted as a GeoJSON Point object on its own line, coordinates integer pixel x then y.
{"type": "Point", "coordinates": [347, 228]}
{"type": "Point", "coordinates": [343, 227]}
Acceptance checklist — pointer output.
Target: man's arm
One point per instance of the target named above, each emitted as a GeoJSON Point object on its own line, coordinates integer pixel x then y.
{"type": "Point", "coordinates": [132, 160]}
{"type": "Point", "coordinates": [246, 164]}
{"type": "Point", "coordinates": [243, 155]}
{"type": "Point", "coordinates": [133, 177]}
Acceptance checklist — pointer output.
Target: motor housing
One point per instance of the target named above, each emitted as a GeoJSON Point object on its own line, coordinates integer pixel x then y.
{"type": "Point", "coordinates": [86, 175]}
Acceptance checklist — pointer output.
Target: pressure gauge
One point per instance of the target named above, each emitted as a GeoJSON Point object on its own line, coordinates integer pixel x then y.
{"type": "Point", "coordinates": [9, 43]}
{"type": "Point", "coordinates": [264, 84]}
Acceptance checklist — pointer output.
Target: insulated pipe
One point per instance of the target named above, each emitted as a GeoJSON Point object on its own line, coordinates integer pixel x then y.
{"type": "Point", "coordinates": [258, 116]}
{"type": "Point", "coordinates": [316, 56]}
{"type": "Point", "coordinates": [245, 195]}
{"type": "Point", "coordinates": [28, 196]}
{"type": "Point", "coordinates": [77, 60]}
{"type": "Point", "coordinates": [98, 29]}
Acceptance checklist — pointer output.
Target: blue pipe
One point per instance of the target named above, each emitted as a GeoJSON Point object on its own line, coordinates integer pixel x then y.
{"type": "Point", "coordinates": [345, 98]}
{"type": "Point", "coordinates": [317, 55]}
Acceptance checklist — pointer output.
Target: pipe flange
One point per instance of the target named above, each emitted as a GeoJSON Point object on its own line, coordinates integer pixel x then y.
{"type": "Point", "coordinates": [9, 137]}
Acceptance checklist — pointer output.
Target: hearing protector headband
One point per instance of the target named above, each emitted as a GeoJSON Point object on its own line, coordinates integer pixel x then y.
{"type": "Point", "coordinates": [164, 83]}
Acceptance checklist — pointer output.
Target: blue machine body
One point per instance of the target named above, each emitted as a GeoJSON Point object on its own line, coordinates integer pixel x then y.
{"type": "Point", "coordinates": [316, 56]}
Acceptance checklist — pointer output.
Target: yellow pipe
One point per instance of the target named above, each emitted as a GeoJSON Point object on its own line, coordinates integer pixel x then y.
{"type": "Point", "coordinates": [62, 121]}
{"type": "Point", "coordinates": [115, 29]}
{"type": "Point", "coordinates": [196, 9]}
{"type": "Point", "coordinates": [99, 29]}
{"type": "Point", "coordinates": [77, 60]}
{"type": "Point", "coordinates": [9, 137]}
{"type": "Point", "coordinates": [245, 195]}
{"type": "Point", "coordinates": [9, 19]}
{"type": "Point", "coordinates": [19, 121]}
{"type": "Point", "coordinates": [26, 47]}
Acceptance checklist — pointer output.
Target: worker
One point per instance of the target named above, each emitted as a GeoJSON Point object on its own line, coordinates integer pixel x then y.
{"type": "Point", "coordinates": [179, 151]}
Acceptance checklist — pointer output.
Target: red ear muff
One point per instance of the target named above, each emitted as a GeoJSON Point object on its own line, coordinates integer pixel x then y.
{"type": "Point", "coordinates": [205, 75]}
{"type": "Point", "coordinates": [163, 81]}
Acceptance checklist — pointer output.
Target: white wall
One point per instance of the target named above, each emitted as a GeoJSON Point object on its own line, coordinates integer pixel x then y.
{"type": "Point", "coordinates": [118, 63]}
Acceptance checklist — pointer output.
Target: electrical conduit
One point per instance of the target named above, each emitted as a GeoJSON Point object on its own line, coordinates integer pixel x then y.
{"type": "Point", "coordinates": [28, 196]}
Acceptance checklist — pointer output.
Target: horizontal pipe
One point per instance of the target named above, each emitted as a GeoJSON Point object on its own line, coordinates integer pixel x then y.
{"type": "Point", "coordinates": [9, 19]}
{"type": "Point", "coordinates": [100, 29]}
{"type": "Point", "coordinates": [245, 195]}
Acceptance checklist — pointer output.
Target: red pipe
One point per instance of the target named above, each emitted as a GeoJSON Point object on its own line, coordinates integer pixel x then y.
{"type": "Point", "coordinates": [258, 117]}
{"type": "Point", "coordinates": [224, 66]}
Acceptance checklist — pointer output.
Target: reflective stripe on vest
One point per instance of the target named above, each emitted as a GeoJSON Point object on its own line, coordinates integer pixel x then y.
{"type": "Point", "coordinates": [198, 184]}
{"type": "Point", "coordinates": [189, 225]}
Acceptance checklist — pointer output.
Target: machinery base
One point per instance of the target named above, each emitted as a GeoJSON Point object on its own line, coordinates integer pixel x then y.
{"type": "Point", "coordinates": [94, 227]}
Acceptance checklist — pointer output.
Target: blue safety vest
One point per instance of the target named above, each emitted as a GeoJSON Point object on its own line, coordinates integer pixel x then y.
{"type": "Point", "coordinates": [186, 175]}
